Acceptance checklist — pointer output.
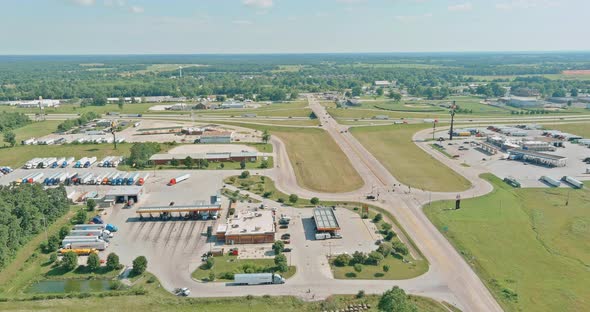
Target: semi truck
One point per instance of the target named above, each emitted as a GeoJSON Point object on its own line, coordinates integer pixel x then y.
{"type": "Point", "coordinates": [132, 178]}
{"type": "Point", "coordinates": [573, 182]}
{"type": "Point", "coordinates": [179, 179]}
{"type": "Point", "coordinates": [551, 181]}
{"type": "Point", "coordinates": [142, 180]}
{"type": "Point", "coordinates": [258, 279]}
{"type": "Point", "coordinates": [99, 245]}
{"type": "Point", "coordinates": [67, 162]}
{"type": "Point", "coordinates": [58, 162]}
{"type": "Point", "coordinates": [108, 227]}
{"type": "Point", "coordinates": [35, 178]}
{"type": "Point", "coordinates": [89, 162]}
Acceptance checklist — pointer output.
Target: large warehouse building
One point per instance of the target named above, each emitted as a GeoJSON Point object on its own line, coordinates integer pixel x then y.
{"type": "Point", "coordinates": [248, 227]}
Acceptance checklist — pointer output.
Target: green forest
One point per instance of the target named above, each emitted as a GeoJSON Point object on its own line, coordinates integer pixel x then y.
{"type": "Point", "coordinates": [24, 212]}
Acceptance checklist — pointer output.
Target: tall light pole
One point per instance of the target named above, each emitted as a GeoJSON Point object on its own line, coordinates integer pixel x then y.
{"type": "Point", "coordinates": [453, 107]}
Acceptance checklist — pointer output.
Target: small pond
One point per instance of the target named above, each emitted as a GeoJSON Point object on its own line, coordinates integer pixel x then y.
{"type": "Point", "coordinates": [68, 286]}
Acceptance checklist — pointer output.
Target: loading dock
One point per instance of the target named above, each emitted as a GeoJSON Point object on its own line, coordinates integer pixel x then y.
{"type": "Point", "coordinates": [123, 194]}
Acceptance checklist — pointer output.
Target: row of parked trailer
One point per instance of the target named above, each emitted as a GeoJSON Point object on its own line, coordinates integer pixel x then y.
{"type": "Point", "coordinates": [63, 162]}
{"type": "Point", "coordinates": [569, 180]}
{"type": "Point", "coordinates": [112, 178]}
{"type": "Point", "coordinates": [87, 237]}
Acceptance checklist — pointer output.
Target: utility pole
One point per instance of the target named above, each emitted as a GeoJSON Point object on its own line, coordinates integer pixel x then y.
{"type": "Point", "coordinates": [113, 133]}
{"type": "Point", "coordinates": [453, 107]}
{"type": "Point", "coordinates": [434, 128]}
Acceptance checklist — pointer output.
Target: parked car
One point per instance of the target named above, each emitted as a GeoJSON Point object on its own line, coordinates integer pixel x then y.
{"type": "Point", "coordinates": [286, 241]}
{"type": "Point", "coordinates": [286, 236]}
{"type": "Point", "coordinates": [287, 249]}
{"type": "Point", "coordinates": [284, 226]}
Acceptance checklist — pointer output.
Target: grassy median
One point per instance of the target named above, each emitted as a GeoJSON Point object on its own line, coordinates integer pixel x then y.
{"type": "Point", "coordinates": [530, 246]}
{"type": "Point", "coordinates": [393, 147]}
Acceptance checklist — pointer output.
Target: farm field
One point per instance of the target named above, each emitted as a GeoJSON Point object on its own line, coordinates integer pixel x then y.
{"type": "Point", "coordinates": [392, 145]}
{"type": "Point", "coordinates": [527, 245]}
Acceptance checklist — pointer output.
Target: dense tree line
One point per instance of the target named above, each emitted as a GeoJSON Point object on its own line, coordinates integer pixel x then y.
{"type": "Point", "coordinates": [11, 121]}
{"type": "Point", "coordinates": [141, 153]}
{"type": "Point", "coordinates": [99, 77]}
{"type": "Point", "coordinates": [24, 212]}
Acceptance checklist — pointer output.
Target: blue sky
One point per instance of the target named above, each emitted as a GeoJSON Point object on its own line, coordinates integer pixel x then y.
{"type": "Point", "coordinates": [298, 26]}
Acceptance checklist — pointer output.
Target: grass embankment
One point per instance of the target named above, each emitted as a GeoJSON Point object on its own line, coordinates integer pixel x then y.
{"type": "Point", "coordinates": [319, 163]}
{"type": "Point", "coordinates": [34, 130]}
{"type": "Point", "coordinates": [225, 266]}
{"type": "Point", "coordinates": [527, 245]}
{"type": "Point", "coordinates": [581, 129]}
{"type": "Point", "coordinates": [392, 145]}
{"type": "Point", "coordinates": [398, 269]}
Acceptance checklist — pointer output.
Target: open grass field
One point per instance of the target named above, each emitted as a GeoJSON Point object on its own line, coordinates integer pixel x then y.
{"type": "Point", "coordinates": [231, 264]}
{"type": "Point", "coordinates": [319, 163]}
{"type": "Point", "coordinates": [527, 245]}
{"type": "Point", "coordinates": [581, 129]}
{"type": "Point", "coordinates": [35, 129]}
{"type": "Point", "coordinates": [398, 270]}
{"type": "Point", "coordinates": [393, 147]}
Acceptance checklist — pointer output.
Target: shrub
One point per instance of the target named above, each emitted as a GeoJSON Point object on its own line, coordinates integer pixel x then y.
{"type": "Point", "coordinates": [360, 294]}
{"type": "Point", "coordinates": [378, 274]}
{"type": "Point", "coordinates": [386, 227]}
{"type": "Point", "coordinates": [151, 280]}
{"type": "Point", "coordinates": [386, 268]}
{"type": "Point", "coordinates": [112, 261]}
{"type": "Point", "coordinates": [209, 263]}
{"type": "Point", "coordinates": [69, 261]}
{"type": "Point", "coordinates": [293, 198]}
{"type": "Point", "coordinates": [400, 248]}
{"type": "Point", "coordinates": [374, 258]}
{"type": "Point", "coordinates": [139, 265]}
{"type": "Point", "coordinates": [342, 260]}
{"type": "Point", "coordinates": [52, 258]}
{"type": "Point", "coordinates": [378, 217]}
{"type": "Point", "coordinates": [278, 246]}
{"type": "Point", "coordinates": [226, 276]}
{"type": "Point", "coordinates": [385, 248]}
{"type": "Point", "coordinates": [390, 235]}
{"type": "Point", "coordinates": [350, 274]}
{"type": "Point", "coordinates": [358, 267]}
{"type": "Point", "coordinates": [90, 204]}
{"type": "Point", "coordinates": [115, 285]}
{"type": "Point", "coordinates": [244, 174]}
{"type": "Point", "coordinates": [314, 201]}
{"type": "Point", "coordinates": [365, 216]}
{"type": "Point", "coordinates": [281, 200]}
{"type": "Point", "coordinates": [267, 194]}
{"type": "Point", "coordinates": [211, 276]}
{"type": "Point", "coordinates": [93, 262]}
{"type": "Point", "coordinates": [358, 258]}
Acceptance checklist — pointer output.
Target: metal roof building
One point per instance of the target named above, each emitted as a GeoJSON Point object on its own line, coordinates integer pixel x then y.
{"type": "Point", "coordinates": [325, 219]}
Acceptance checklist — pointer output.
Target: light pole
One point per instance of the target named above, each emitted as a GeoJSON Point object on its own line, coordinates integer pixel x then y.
{"type": "Point", "coordinates": [453, 107]}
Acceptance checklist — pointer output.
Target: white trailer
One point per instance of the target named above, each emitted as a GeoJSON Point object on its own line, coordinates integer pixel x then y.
{"type": "Point", "coordinates": [258, 279]}
{"type": "Point", "coordinates": [67, 162]}
{"type": "Point", "coordinates": [77, 238]}
{"type": "Point", "coordinates": [99, 233]}
{"type": "Point", "coordinates": [101, 245]}
{"type": "Point", "coordinates": [90, 226]}
{"type": "Point", "coordinates": [551, 181]}
{"type": "Point", "coordinates": [179, 179]}
{"type": "Point", "coordinates": [47, 162]}
{"type": "Point", "coordinates": [573, 182]}
{"type": "Point", "coordinates": [87, 178]}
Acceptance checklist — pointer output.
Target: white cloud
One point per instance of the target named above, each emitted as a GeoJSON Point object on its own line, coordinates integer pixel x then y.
{"type": "Point", "coordinates": [260, 4]}
{"type": "Point", "coordinates": [136, 9]}
{"type": "Point", "coordinates": [412, 18]}
{"type": "Point", "coordinates": [83, 2]}
{"type": "Point", "coordinates": [462, 7]}
{"type": "Point", "coordinates": [526, 4]}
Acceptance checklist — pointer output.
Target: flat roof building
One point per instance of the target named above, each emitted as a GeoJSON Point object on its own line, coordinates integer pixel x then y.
{"type": "Point", "coordinates": [325, 219]}
{"type": "Point", "coordinates": [163, 159]}
{"type": "Point", "coordinates": [538, 158]}
{"type": "Point", "coordinates": [248, 227]}
{"type": "Point", "coordinates": [215, 137]}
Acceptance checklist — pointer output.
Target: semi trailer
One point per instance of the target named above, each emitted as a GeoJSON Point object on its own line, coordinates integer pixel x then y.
{"type": "Point", "coordinates": [258, 279]}
{"type": "Point", "coordinates": [99, 245]}
{"type": "Point", "coordinates": [179, 179]}
{"type": "Point", "coordinates": [108, 227]}
{"type": "Point", "coordinates": [573, 182]}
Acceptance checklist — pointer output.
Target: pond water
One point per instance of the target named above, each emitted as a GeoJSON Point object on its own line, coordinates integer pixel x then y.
{"type": "Point", "coordinates": [68, 286]}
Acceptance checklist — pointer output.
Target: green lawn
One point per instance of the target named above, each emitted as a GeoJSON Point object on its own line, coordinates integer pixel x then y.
{"type": "Point", "coordinates": [393, 147]}
{"type": "Point", "coordinates": [398, 270]}
{"type": "Point", "coordinates": [231, 264]}
{"type": "Point", "coordinates": [582, 129]}
{"type": "Point", "coordinates": [319, 163]}
{"type": "Point", "coordinates": [35, 130]}
{"type": "Point", "coordinates": [528, 247]}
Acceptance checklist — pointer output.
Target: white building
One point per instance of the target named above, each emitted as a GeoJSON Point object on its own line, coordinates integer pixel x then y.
{"type": "Point", "coordinates": [45, 103]}
{"type": "Point", "coordinates": [384, 83]}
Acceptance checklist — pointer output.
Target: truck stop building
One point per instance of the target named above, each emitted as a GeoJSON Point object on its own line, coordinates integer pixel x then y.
{"type": "Point", "coordinates": [122, 194]}
{"type": "Point", "coordinates": [248, 227]}
{"type": "Point", "coordinates": [538, 158]}
{"type": "Point", "coordinates": [325, 220]}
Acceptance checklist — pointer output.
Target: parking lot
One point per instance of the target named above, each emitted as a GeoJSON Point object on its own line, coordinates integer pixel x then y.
{"type": "Point", "coordinates": [527, 174]}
